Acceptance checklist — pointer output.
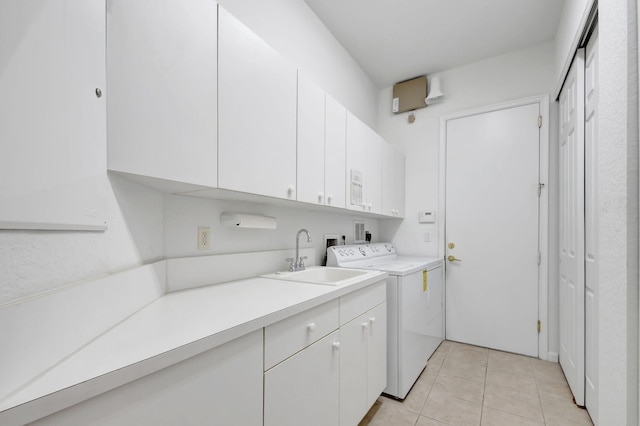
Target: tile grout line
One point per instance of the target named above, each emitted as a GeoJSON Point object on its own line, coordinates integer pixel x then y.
{"type": "Point", "coordinates": [484, 389]}
{"type": "Point", "coordinates": [535, 381]}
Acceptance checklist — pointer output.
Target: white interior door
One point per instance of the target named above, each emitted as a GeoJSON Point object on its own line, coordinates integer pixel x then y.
{"type": "Point", "coordinates": [492, 176]}
{"type": "Point", "coordinates": [572, 208]}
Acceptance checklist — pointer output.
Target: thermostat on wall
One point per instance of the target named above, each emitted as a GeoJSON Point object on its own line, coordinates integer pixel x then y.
{"type": "Point", "coordinates": [427, 217]}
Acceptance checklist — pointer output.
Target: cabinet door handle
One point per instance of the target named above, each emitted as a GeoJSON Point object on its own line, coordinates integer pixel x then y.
{"type": "Point", "coordinates": [365, 324]}
{"type": "Point", "coordinates": [291, 191]}
{"type": "Point", "coordinates": [320, 197]}
{"type": "Point", "coordinates": [329, 198]}
{"type": "Point", "coordinates": [372, 320]}
{"type": "Point", "coordinates": [311, 326]}
{"type": "Point", "coordinates": [336, 346]}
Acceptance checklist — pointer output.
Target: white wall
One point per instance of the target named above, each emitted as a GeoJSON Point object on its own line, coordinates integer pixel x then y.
{"type": "Point", "coordinates": [36, 261]}
{"type": "Point", "coordinates": [183, 215]}
{"type": "Point", "coordinates": [290, 27]}
{"type": "Point", "coordinates": [511, 76]}
{"type": "Point", "coordinates": [618, 213]}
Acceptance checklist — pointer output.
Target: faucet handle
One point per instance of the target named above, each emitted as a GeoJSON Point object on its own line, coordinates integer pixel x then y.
{"type": "Point", "coordinates": [301, 262]}
{"type": "Point", "coordinates": [292, 263]}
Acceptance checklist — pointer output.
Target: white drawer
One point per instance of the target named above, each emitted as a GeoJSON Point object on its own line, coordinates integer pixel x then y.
{"type": "Point", "coordinates": [361, 301]}
{"type": "Point", "coordinates": [286, 337]}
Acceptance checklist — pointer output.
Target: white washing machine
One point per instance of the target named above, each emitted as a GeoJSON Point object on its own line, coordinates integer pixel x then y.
{"type": "Point", "coordinates": [415, 307]}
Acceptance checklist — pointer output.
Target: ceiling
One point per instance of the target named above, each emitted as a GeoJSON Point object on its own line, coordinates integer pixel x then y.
{"type": "Point", "coordinates": [394, 40]}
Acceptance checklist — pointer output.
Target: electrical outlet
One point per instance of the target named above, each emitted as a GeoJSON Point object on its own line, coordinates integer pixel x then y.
{"type": "Point", "coordinates": [204, 238]}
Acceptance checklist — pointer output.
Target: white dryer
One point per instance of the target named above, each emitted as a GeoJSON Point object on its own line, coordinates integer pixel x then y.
{"type": "Point", "coordinates": [415, 307]}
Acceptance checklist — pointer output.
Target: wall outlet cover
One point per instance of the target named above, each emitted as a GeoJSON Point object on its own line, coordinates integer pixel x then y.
{"type": "Point", "coordinates": [204, 238]}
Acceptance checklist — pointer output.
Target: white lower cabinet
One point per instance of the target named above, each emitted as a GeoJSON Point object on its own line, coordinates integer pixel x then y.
{"type": "Point", "coordinates": [302, 390]}
{"type": "Point", "coordinates": [363, 374]}
{"type": "Point", "coordinates": [339, 375]}
{"type": "Point", "coordinates": [222, 386]}
{"type": "Point", "coordinates": [325, 366]}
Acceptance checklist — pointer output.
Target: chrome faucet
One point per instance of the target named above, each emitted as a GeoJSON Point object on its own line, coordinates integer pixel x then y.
{"type": "Point", "coordinates": [297, 263]}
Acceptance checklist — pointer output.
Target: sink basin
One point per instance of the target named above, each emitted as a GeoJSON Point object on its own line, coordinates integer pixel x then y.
{"type": "Point", "coordinates": [326, 276]}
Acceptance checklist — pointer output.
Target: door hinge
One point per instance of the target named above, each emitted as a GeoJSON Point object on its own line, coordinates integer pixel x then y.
{"type": "Point", "coordinates": [539, 258]}
{"type": "Point", "coordinates": [540, 188]}
{"type": "Point", "coordinates": [539, 326]}
{"type": "Point", "coordinates": [539, 121]}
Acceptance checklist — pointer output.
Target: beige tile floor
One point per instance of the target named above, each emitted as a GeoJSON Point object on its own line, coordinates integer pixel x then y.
{"type": "Point", "coordinates": [470, 385]}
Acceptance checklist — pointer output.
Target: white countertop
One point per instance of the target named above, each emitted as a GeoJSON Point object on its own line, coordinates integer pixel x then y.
{"type": "Point", "coordinates": [171, 329]}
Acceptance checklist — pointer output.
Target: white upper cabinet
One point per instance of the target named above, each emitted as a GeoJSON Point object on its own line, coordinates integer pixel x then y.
{"type": "Point", "coordinates": [335, 152]}
{"type": "Point", "coordinates": [356, 163]}
{"type": "Point", "coordinates": [321, 146]}
{"type": "Point", "coordinates": [311, 141]}
{"type": "Point", "coordinates": [373, 181]}
{"type": "Point", "coordinates": [393, 169]}
{"type": "Point", "coordinates": [162, 110]}
{"type": "Point", "coordinates": [257, 114]}
{"type": "Point", "coordinates": [52, 114]}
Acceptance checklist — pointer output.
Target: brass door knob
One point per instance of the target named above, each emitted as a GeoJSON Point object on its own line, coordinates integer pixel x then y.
{"type": "Point", "coordinates": [452, 258]}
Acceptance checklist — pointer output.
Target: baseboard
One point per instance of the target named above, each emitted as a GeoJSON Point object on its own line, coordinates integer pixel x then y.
{"type": "Point", "coordinates": [552, 357]}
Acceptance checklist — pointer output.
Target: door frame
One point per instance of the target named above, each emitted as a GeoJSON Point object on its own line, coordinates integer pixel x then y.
{"type": "Point", "coordinates": [543, 214]}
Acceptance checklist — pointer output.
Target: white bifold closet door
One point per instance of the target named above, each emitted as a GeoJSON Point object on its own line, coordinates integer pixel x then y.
{"type": "Point", "coordinates": [572, 207]}
{"type": "Point", "coordinates": [579, 227]}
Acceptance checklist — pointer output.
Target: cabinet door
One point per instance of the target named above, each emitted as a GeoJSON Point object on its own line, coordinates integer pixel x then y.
{"type": "Point", "coordinates": [353, 370]}
{"type": "Point", "coordinates": [311, 137]}
{"type": "Point", "coordinates": [335, 153]}
{"type": "Point", "coordinates": [356, 163]}
{"type": "Point", "coordinates": [257, 113]}
{"type": "Point", "coordinates": [392, 181]}
{"type": "Point", "coordinates": [388, 180]}
{"type": "Point", "coordinates": [162, 82]}
{"type": "Point", "coordinates": [376, 352]}
{"type": "Point", "coordinates": [222, 386]}
{"type": "Point", "coordinates": [303, 390]}
{"type": "Point", "coordinates": [399, 183]}
{"type": "Point", "coordinates": [52, 123]}
{"type": "Point", "coordinates": [374, 172]}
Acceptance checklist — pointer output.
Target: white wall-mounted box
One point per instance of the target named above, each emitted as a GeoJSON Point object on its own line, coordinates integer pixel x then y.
{"type": "Point", "coordinates": [427, 216]}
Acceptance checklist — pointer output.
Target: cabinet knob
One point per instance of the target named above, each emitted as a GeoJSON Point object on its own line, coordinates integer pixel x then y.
{"type": "Point", "coordinates": [291, 191]}
{"type": "Point", "coordinates": [311, 326]}
{"type": "Point", "coordinates": [329, 198]}
{"type": "Point", "coordinates": [365, 324]}
{"type": "Point", "coordinates": [336, 346]}
{"type": "Point", "coordinates": [98, 92]}
{"type": "Point", "coordinates": [320, 197]}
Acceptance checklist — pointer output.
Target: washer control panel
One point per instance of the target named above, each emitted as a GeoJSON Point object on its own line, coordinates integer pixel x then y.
{"type": "Point", "coordinates": [343, 255]}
